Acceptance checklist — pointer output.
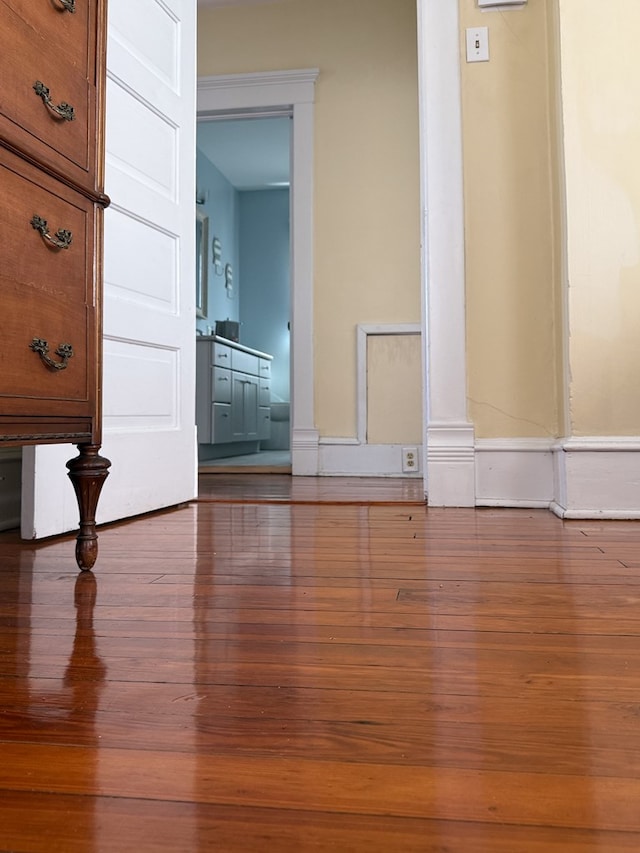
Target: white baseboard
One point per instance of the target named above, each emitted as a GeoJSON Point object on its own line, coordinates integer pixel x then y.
{"type": "Point", "coordinates": [574, 478]}
{"type": "Point", "coordinates": [514, 472]}
{"type": "Point", "coordinates": [597, 477]}
{"type": "Point", "coordinates": [304, 452]}
{"type": "Point", "coordinates": [347, 457]}
{"type": "Point", "coordinates": [450, 464]}
{"type": "Point", "coordinates": [10, 487]}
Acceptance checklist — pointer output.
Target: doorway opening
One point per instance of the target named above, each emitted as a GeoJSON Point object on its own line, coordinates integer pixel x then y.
{"type": "Point", "coordinates": [243, 180]}
{"type": "Point", "coordinates": [291, 92]}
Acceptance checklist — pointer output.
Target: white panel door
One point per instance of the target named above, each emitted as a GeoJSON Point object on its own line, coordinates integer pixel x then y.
{"type": "Point", "coordinates": [149, 278]}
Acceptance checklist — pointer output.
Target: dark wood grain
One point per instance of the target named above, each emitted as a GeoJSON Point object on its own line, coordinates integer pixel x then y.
{"type": "Point", "coordinates": [301, 677]}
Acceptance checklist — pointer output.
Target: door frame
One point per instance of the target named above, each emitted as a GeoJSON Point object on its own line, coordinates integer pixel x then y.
{"type": "Point", "coordinates": [294, 91]}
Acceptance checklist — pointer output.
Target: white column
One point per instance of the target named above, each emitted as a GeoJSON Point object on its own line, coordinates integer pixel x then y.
{"type": "Point", "coordinates": [449, 437]}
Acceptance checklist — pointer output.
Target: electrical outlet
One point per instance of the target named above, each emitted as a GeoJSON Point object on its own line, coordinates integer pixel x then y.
{"type": "Point", "coordinates": [409, 460]}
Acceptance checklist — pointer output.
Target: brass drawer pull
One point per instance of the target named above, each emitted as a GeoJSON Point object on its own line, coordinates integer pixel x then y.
{"type": "Point", "coordinates": [69, 5]}
{"type": "Point", "coordinates": [64, 352]}
{"type": "Point", "coordinates": [62, 238]}
{"type": "Point", "coordinates": [63, 110]}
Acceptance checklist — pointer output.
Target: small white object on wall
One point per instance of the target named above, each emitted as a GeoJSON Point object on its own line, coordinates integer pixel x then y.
{"type": "Point", "coordinates": [478, 44]}
{"type": "Point", "coordinates": [486, 4]}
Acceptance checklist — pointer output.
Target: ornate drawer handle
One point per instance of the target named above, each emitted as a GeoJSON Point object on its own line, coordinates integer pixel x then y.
{"type": "Point", "coordinates": [62, 238]}
{"type": "Point", "coordinates": [64, 352]}
{"type": "Point", "coordinates": [63, 110]}
{"type": "Point", "coordinates": [69, 5]}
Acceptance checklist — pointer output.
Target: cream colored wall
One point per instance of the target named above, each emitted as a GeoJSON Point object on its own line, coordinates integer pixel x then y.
{"type": "Point", "coordinates": [393, 375]}
{"type": "Point", "coordinates": [600, 85]}
{"type": "Point", "coordinates": [511, 222]}
{"type": "Point", "coordinates": [558, 219]}
{"type": "Point", "coordinates": [367, 255]}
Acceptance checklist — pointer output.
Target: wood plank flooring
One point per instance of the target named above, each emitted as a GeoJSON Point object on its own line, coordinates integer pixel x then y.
{"type": "Point", "coordinates": [271, 488]}
{"type": "Point", "coordinates": [331, 676]}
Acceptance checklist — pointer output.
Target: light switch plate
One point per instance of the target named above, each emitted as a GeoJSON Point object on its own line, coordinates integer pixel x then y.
{"type": "Point", "coordinates": [477, 44]}
{"type": "Point", "coordinates": [484, 4]}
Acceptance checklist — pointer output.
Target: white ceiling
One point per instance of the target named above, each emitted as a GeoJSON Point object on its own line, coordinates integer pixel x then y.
{"type": "Point", "coordinates": [251, 153]}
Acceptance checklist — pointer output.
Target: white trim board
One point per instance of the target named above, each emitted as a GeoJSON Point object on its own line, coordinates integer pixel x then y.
{"type": "Point", "coordinates": [344, 457]}
{"type": "Point", "coordinates": [514, 472]}
{"type": "Point", "coordinates": [597, 477]}
{"type": "Point", "coordinates": [592, 478]}
{"type": "Point", "coordinates": [448, 435]}
{"type": "Point", "coordinates": [576, 478]}
{"type": "Point", "coordinates": [231, 93]}
{"type": "Point", "coordinates": [347, 457]}
{"type": "Point", "coordinates": [363, 330]}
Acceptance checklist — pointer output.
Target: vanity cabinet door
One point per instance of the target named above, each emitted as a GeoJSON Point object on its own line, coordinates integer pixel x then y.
{"type": "Point", "coordinates": [244, 407]}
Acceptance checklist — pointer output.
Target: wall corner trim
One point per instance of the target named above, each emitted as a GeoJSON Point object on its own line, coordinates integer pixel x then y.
{"type": "Point", "coordinates": [597, 477]}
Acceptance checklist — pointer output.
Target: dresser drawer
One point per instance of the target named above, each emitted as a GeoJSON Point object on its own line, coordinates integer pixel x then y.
{"type": "Point", "coordinates": [31, 385]}
{"type": "Point", "coordinates": [29, 57]}
{"type": "Point", "coordinates": [46, 293]}
{"type": "Point", "coordinates": [71, 34]}
{"type": "Point", "coordinates": [30, 260]}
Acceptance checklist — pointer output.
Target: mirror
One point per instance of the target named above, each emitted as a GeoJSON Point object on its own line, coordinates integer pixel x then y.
{"type": "Point", "coordinates": [202, 263]}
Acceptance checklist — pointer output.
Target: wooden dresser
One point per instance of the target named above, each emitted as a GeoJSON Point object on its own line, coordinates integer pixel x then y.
{"type": "Point", "coordinates": [52, 73]}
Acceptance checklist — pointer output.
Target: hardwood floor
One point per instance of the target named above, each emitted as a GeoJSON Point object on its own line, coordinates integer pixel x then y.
{"type": "Point", "coordinates": [332, 676]}
{"type": "Point", "coordinates": [273, 488]}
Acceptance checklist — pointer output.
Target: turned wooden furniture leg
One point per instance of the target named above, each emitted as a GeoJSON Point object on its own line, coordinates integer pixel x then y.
{"type": "Point", "coordinates": [87, 472]}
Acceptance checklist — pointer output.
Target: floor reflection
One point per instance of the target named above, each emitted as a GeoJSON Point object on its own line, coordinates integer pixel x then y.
{"type": "Point", "coordinates": [51, 702]}
{"type": "Point", "coordinates": [86, 671]}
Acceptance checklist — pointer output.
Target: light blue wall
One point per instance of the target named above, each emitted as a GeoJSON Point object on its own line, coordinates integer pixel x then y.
{"type": "Point", "coordinates": [222, 208]}
{"type": "Point", "coordinates": [264, 273]}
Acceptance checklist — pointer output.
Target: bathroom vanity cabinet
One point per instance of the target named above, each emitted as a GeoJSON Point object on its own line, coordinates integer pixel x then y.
{"type": "Point", "coordinates": [233, 392]}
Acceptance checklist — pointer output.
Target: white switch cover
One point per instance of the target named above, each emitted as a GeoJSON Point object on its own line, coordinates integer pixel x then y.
{"type": "Point", "coordinates": [477, 44]}
{"type": "Point", "coordinates": [501, 3]}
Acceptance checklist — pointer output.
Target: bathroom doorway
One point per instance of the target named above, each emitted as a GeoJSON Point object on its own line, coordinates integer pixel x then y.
{"type": "Point", "coordinates": [243, 185]}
